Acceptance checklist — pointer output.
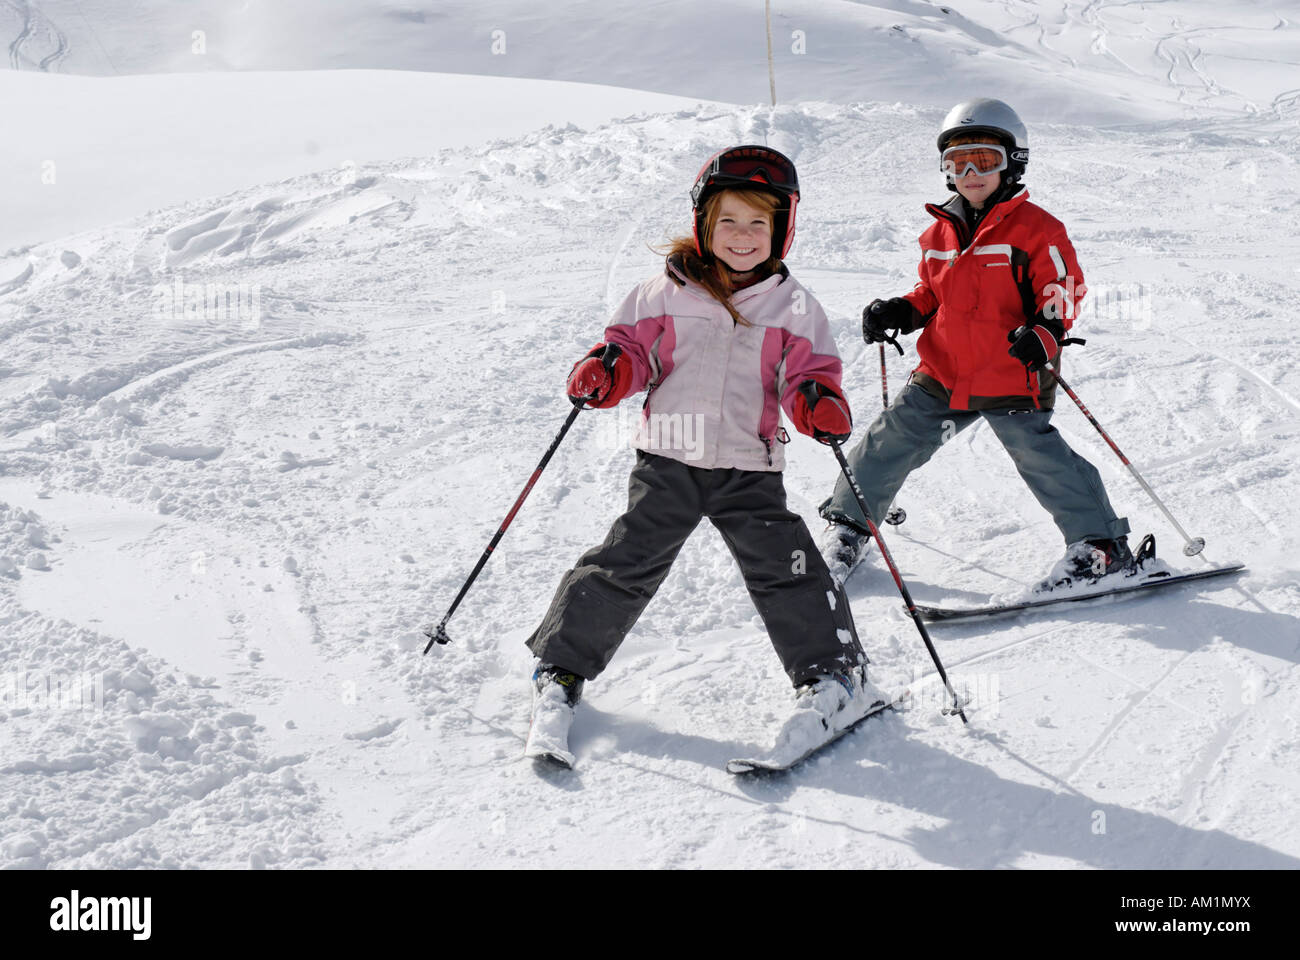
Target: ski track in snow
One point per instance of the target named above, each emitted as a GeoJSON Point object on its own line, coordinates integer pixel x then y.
{"type": "Point", "coordinates": [35, 23]}
{"type": "Point", "coordinates": [303, 494]}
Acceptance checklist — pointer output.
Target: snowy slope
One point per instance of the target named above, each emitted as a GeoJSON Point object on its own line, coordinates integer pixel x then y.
{"type": "Point", "coordinates": [1077, 59]}
{"type": "Point", "coordinates": [246, 520]}
{"type": "Point", "coordinates": [83, 152]}
{"type": "Point", "coordinates": [237, 94]}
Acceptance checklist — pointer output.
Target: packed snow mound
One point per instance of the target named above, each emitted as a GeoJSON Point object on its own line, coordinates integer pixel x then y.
{"type": "Point", "coordinates": [116, 762]}
{"type": "Point", "coordinates": [24, 542]}
{"type": "Point", "coordinates": [277, 497]}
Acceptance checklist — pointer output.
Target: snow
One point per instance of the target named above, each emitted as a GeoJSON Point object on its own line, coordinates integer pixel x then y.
{"type": "Point", "coordinates": [86, 151]}
{"type": "Point", "coordinates": [1081, 60]}
{"type": "Point", "coordinates": [248, 509]}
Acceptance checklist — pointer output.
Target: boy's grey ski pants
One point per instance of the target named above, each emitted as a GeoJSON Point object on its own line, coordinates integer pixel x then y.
{"type": "Point", "coordinates": [908, 433]}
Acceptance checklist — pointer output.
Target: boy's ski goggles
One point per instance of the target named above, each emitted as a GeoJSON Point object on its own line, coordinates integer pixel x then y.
{"type": "Point", "coordinates": [981, 159]}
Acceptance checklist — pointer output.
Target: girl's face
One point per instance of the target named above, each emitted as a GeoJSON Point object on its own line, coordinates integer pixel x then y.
{"type": "Point", "coordinates": [742, 235]}
{"type": "Point", "coordinates": [976, 188]}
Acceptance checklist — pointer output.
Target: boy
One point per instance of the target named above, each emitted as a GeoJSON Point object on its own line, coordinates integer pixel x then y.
{"type": "Point", "coordinates": [996, 270]}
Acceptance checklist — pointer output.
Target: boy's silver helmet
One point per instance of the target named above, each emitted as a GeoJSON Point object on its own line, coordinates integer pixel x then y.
{"type": "Point", "coordinates": [995, 118]}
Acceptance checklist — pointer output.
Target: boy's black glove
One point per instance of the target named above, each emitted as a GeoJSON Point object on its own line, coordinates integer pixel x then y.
{"type": "Point", "coordinates": [1033, 346]}
{"type": "Point", "coordinates": [881, 316]}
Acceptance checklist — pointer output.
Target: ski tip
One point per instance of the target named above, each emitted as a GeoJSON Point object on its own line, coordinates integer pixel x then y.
{"type": "Point", "coordinates": [757, 769]}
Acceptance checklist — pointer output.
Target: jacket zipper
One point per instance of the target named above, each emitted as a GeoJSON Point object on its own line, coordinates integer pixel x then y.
{"type": "Point", "coordinates": [781, 436]}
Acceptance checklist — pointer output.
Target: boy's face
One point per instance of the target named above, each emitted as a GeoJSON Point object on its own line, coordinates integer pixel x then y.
{"type": "Point", "coordinates": [977, 188]}
{"type": "Point", "coordinates": [742, 236]}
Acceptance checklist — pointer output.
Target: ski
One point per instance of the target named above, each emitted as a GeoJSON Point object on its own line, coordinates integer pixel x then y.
{"type": "Point", "coordinates": [1128, 587]}
{"type": "Point", "coordinates": [756, 766]}
{"type": "Point", "coordinates": [551, 759]}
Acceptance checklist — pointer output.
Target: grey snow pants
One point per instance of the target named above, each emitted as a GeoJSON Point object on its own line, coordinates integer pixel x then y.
{"type": "Point", "coordinates": [907, 434]}
{"type": "Point", "coordinates": [598, 601]}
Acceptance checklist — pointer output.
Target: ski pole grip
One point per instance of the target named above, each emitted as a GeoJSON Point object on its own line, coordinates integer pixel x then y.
{"type": "Point", "coordinates": [809, 390]}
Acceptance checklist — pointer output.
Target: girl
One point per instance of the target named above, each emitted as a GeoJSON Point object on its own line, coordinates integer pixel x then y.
{"type": "Point", "coordinates": [995, 270]}
{"type": "Point", "coordinates": [722, 340]}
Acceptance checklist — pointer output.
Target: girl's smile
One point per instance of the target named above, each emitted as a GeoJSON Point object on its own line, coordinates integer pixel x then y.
{"type": "Point", "coordinates": [742, 235]}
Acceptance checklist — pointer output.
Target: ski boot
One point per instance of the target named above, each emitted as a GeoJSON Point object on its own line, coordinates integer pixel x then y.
{"type": "Point", "coordinates": [1088, 562]}
{"type": "Point", "coordinates": [843, 547]}
{"type": "Point", "coordinates": [827, 705]}
{"type": "Point", "coordinates": [556, 692]}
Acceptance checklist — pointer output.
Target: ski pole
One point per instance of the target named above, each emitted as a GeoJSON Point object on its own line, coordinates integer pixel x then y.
{"type": "Point", "coordinates": [896, 515]}
{"type": "Point", "coordinates": [884, 380]}
{"type": "Point", "coordinates": [898, 579]}
{"type": "Point", "coordinates": [1193, 545]}
{"type": "Point", "coordinates": [438, 634]}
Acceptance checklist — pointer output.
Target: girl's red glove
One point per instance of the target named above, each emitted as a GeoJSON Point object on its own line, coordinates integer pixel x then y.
{"type": "Point", "coordinates": [595, 382]}
{"type": "Point", "coordinates": [821, 413]}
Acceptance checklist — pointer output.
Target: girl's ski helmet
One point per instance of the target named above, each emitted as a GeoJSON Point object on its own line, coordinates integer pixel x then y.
{"type": "Point", "coordinates": [995, 119]}
{"type": "Point", "coordinates": [750, 166]}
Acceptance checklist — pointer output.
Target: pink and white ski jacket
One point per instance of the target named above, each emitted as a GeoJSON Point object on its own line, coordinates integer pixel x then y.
{"type": "Point", "coordinates": [716, 387]}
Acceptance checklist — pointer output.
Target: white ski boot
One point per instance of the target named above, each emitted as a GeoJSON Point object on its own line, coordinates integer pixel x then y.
{"type": "Point", "coordinates": [825, 708]}
{"type": "Point", "coordinates": [842, 547]}
{"type": "Point", "coordinates": [555, 694]}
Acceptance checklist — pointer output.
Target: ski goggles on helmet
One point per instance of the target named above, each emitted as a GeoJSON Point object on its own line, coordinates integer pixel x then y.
{"type": "Point", "coordinates": [746, 167]}
{"type": "Point", "coordinates": [981, 159]}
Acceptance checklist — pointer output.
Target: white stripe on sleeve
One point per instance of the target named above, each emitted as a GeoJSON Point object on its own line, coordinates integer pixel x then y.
{"type": "Point", "coordinates": [1057, 261]}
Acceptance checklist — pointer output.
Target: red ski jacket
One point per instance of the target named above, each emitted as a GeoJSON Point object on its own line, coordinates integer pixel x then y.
{"type": "Point", "coordinates": [1018, 269]}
